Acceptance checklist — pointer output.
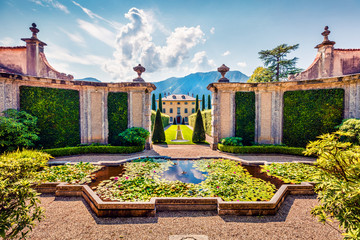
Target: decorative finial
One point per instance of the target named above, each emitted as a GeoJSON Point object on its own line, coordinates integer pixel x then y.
{"type": "Point", "coordinates": [326, 34]}
{"type": "Point", "coordinates": [34, 30]}
{"type": "Point", "coordinates": [139, 69]}
{"type": "Point", "coordinates": [223, 69]}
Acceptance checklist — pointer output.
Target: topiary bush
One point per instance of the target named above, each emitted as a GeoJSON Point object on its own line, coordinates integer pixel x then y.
{"type": "Point", "coordinates": [206, 116]}
{"type": "Point", "coordinates": [352, 128]}
{"type": "Point", "coordinates": [17, 130]}
{"type": "Point", "coordinates": [262, 149]}
{"type": "Point", "coordinates": [199, 131]}
{"type": "Point", "coordinates": [158, 132]}
{"type": "Point", "coordinates": [134, 136]}
{"type": "Point", "coordinates": [231, 141]}
{"type": "Point", "coordinates": [164, 118]}
{"type": "Point", "coordinates": [245, 117]}
{"type": "Point", "coordinates": [117, 115]}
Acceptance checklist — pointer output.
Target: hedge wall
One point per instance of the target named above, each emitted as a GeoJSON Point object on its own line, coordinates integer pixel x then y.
{"type": "Point", "coordinates": [117, 114]}
{"type": "Point", "coordinates": [206, 116]}
{"type": "Point", "coordinates": [57, 111]}
{"type": "Point", "coordinates": [245, 116]}
{"type": "Point", "coordinates": [164, 118]}
{"type": "Point", "coordinates": [308, 114]}
{"type": "Point", "coordinates": [262, 150]}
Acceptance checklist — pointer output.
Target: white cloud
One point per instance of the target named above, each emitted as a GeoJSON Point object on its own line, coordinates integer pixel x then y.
{"type": "Point", "coordinates": [98, 32]}
{"type": "Point", "coordinates": [52, 3]}
{"type": "Point", "coordinates": [241, 64]}
{"type": "Point", "coordinates": [134, 45]}
{"type": "Point", "coordinates": [202, 63]}
{"type": "Point", "coordinates": [7, 41]}
{"type": "Point", "coordinates": [75, 37]}
{"type": "Point", "coordinates": [226, 53]}
{"type": "Point", "coordinates": [212, 30]}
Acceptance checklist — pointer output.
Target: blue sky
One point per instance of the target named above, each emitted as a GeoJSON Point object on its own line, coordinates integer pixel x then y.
{"type": "Point", "coordinates": [106, 38]}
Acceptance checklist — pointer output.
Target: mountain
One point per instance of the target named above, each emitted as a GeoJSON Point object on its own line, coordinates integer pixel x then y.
{"type": "Point", "coordinates": [195, 83]}
{"type": "Point", "coordinates": [89, 79]}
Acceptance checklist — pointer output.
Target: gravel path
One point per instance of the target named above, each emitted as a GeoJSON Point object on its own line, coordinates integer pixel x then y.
{"type": "Point", "coordinates": [71, 218]}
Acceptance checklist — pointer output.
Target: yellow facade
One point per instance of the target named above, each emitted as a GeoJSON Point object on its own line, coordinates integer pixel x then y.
{"type": "Point", "coordinates": [178, 106]}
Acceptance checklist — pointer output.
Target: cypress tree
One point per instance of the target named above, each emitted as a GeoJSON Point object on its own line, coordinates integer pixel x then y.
{"type": "Point", "coordinates": [160, 102]}
{"type": "Point", "coordinates": [203, 103]}
{"type": "Point", "coordinates": [199, 131]}
{"type": "Point", "coordinates": [158, 132]}
{"type": "Point", "coordinates": [174, 122]}
{"type": "Point", "coordinates": [197, 103]}
{"type": "Point", "coordinates": [183, 121]}
{"type": "Point", "coordinates": [209, 101]}
{"type": "Point", "coordinates": [153, 105]}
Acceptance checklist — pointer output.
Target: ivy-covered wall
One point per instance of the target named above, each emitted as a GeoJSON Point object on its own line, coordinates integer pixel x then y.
{"type": "Point", "coordinates": [117, 114]}
{"type": "Point", "coordinates": [245, 116]}
{"type": "Point", "coordinates": [58, 116]}
{"type": "Point", "coordinates": [308, 114]}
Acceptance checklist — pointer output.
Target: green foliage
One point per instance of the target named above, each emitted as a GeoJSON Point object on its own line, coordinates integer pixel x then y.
{"type": "Point", "coordinates": [245, 116]}
{"type": "Point", "coordinates": [117, 114]}
{"type": "Point", "coordinates": [134, 136]}
{"type": "Point", "coordinates": [19, 205]}
{"type": "Point", "coordinates": [199, 131]}
{"type": "Point", "coordinates": [310, 113]}
{"type": "Point", "coordinates": [262, 149]}
{"type": "Point", "coordinates": [261, 74]}
{"type": "Point", "coordinates": [338, 189]}
{"type": "Point", "coordinates": [226, 179]}
{"type": "Point", "coordinates": [231, 141]}
{"type": "Point", "coordinates": [58, 152]}
{"type": "Point", "coordinates": [164, 118]}
{"type": "Point", "coordinates": [17, 130]}
{"type": "Point", "coordinates": [209, 102]}
{"type": "Point", "coordinates": [160, 103]}
{"type": "Point", "coordinates": [203, 103]}
{"type": "Point", "coordinates": [352, 128]}
{"type": "Point", "coordinates": [153, 103]}
{"type": "Point", "coordinates": [78, 173]}
{"type": "Point", "coordinates": [57, 111]}
{"type": "Point", "coordinates": [174, 122]}
{"type": "Point", "coordinates": [292, 172]}
{"type": "Point", "coordinates": [197, 103]}
{"type": "Point", "coordinates": [275, 60]}
{"type": "Point", "coordinates": [158, 132]}
{"type": "Point", "coordinates": [206, 116]}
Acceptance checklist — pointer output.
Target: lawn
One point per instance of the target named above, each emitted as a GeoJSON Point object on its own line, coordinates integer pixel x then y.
{"type": "Point", "coordinates": [170, 134]}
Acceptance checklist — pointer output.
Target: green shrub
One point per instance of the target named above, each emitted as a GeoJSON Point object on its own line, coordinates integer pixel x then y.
{"type": "Point", "coordinates": [58, 152]}
{"type": "Point", "coordinates": [262, 149]}
{"type": "Point", "coordinates": [231, 141]}
{"type": "Point", "coordinates": [339, 184]}
{"type": "Point", "coordinates": [158, 132]}
{"type": "Point", "coordinates": [199, 131]}
{"type": "Point", "coordinates": [19, 205]}
{"type": "Point", "coordinates": [308, 114]}
{"type": "Point", "coordinates": [17, 130]}
{"type": "Point", "coordinates": [117, 115]}
{"type": "Point", "coordinates": [206, 116]}
{"type": "Point", "coordinates": [134, 136]}
{"type": "Point", "coordinates": [165, 119]}
{"type": "Point", "coordinates": [58, 115]}
{"type": "Point", "coordinates": [245, 116]}
{"type": "Point", "coordinates": [352, 128]}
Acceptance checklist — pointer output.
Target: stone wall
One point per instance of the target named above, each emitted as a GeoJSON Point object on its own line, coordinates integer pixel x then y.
{"type": "Point", "coordinates": [93, 101]}
{"type": "Point", "coordinates": [269, 104]}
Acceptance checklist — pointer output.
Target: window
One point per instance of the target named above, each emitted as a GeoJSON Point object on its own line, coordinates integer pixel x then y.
{"type": "Point", "coordinates": [186, 119]}
{"type": "Point", "coordinates": [186, 103]}
{"type": "Point", "coordinates": [164, 110]}
{"type": "Point", "coordinates": [164, 103]}
{"type": "Point", "coordinates": [178, 103]}
{"type": "Point", "coordinates": [170, 110]}
{"type": "Point", "coordinates": [178, 110]}
{"type": "Point", "coordinates": [170, 103]}
{"type": "Point", "coordinates": [171, 120]}
{"type": "Point", "coordinates": [193, 110]}
{"type": "Point", "coordinates": [185, 111]}
{"type": "Point", "coordinates": [193, 103]}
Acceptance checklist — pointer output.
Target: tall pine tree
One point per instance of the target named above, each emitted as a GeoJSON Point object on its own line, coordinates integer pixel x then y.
{"type": "Point", "coordinates": [203, 103]}
{"type": "Point", "coordinates": [160, 103]}
{"type": "Point", "coordinates": [199, 131]}
{"type": "Point", "coordinates": [158, 132]}
{"type": "Point", "coordinates": [197, 103]}
{"type": "Point", "coordinates": [153, 104]}
{"type": "Point", "coordinates": [209, 101]}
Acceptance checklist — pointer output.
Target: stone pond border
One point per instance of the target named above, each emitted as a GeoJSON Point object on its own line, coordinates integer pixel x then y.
{"type": "Point", "coordinates": [148, 209]}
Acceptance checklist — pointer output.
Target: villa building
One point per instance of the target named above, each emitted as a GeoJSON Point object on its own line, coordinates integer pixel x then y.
{"type": "Point", "coordinates": [178, 107]}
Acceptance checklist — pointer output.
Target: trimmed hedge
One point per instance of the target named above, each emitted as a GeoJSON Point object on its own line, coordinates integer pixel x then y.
{"type": "Point", "coordinates": [245, 116]}
{"type": "Point", "coordinates": [262, 149]}
{"type": "Point", "coordinates": [206, 116]}
{"type": "Point", "coordinates": [58, 152]}
{"type": "Point", "coordinates": [164, 118]}
{"type": "Point", "coordinates": [310, 113]}
{"type": "Point", "coordinates": [117, 114]}
{"type": "Point", "coordinates": [58, 114]}
{"type": "Point", "coordinates": [199, 130]}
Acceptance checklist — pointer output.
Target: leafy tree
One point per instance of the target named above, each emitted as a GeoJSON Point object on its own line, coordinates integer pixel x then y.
{"type": "Point", "coordinates": [197, 103]}
{"type": "Point", "coordinates": [158, 132]}
{"type": "Point", "coordinates": [19, 205]}
{"type": "Point", "coordinates": [153, 104]}
{"type": "Point", "coordinates": [203, 103]}
{"type": "Point", "coordinates": [275, 60]}
{"type": "Point", "coordinates": [160, 102]}
{"type": "Point", "coordinates": [17, 130]}
{"type": "Point", "coordinates": [261, 74]}
{"type": "Point", "coordinates": [352, 128]}
{"type": "Point", "coordinates": [199, 131]}
{"type": "Point", "coordinates": [209, 101]}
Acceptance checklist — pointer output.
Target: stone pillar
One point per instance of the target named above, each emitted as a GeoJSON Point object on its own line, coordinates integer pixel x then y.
{"type": "Point", "coordinates": [226, 119]}
{"type": "Point", "coordinates": [136, 108]}
{"type": "Point", "coordinates": [147, 117]}
{"type": "Point", "coordinates": [9, 95]}
{"type": "Point", "coordinates": [277, 116]}
{"type": "Point", "coordinates": [215, 113]}
{"type": "Point", "coordinates": [352, 100]}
